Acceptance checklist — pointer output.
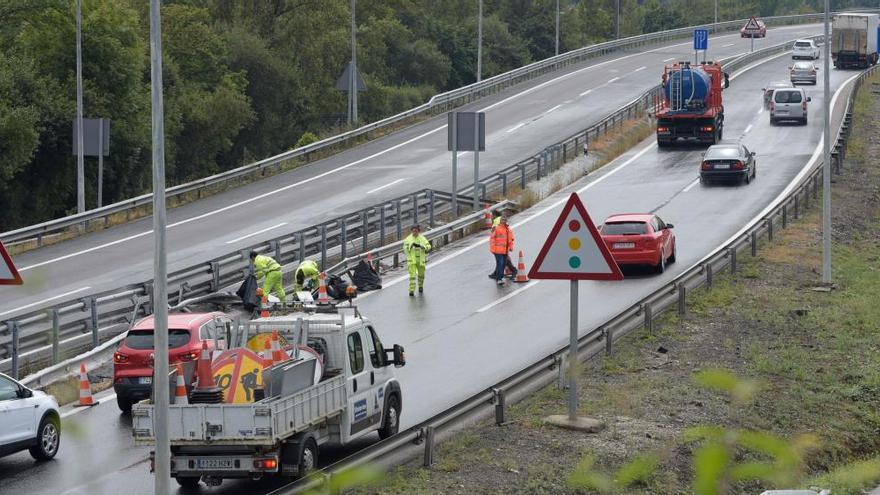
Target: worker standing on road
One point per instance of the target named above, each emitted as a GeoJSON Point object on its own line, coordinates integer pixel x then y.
{"type": "Point", "coordinates": [509, 267]}
{"type": "Point", "coordinates": [306, 276]}
{"type": "Point", "coordinates": [500, 245]}
{"type": "Point", "coordinates": [416, 247]}
{"type": "Point", "coordinates": [268, 267]}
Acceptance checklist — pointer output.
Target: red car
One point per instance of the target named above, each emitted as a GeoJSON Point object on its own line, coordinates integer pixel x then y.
{"type": "Point", "coordinates": [639, 239]}
{"type": "Point", "coordinates": [133, 359]}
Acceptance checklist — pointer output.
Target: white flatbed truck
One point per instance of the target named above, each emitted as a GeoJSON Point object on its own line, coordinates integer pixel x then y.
{"type": "Point", "coordinates": [357, 395]}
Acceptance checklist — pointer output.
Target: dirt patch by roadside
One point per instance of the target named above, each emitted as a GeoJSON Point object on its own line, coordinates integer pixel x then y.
{"type": "Point", "coordinates": [814, 355]}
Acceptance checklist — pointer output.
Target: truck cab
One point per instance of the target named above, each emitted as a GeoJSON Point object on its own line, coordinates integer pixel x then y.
{"type": "Point", "coordinates": [356, 395]}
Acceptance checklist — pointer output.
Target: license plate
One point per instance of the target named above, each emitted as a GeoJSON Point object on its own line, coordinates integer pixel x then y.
{"type": "Point", "coordinates": [722, 166]}
{"type": "Point", "coordinates": [215, 463]}
{"type": "Point", "coordinates": [624, 245]}
{"type": "Point", "coordinates": [145, 380]}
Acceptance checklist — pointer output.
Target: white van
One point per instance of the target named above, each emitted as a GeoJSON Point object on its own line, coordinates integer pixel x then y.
{"type": "Point", "coordinates": [789, 104]}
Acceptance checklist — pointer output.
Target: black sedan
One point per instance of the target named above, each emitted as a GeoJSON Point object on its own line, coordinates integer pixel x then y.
{"type": "Point", "coordinates": [728, 161]}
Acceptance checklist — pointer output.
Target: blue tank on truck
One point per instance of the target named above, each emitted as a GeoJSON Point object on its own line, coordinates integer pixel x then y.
{"type": "Point", "coordinates": [695, 85]}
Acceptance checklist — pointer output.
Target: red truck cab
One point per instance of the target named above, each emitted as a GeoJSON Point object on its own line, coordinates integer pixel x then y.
{"type": "Point", "coordinates": [691, 108]}
{"type": "Point", "coordinates": [133, 359]}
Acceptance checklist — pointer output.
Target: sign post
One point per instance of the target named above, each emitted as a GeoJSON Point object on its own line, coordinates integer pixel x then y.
{"type": "Point", "coordinates": [574, 251]}
{"type": "Point", "coordinates": [8, 274]}
{"type": "Point", "coordinates": [701, 43]}
{"type": "Point", "coordinates": [466, 132]}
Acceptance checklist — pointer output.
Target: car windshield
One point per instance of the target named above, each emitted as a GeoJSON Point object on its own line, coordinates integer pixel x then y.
{"type": "Point", "coordinates": [722, 153]}
{"type": "Point", "coordinates": [625, 228]}
{"type": "Point", "coordinates": [802, 44]}
{"type": "Point", "coordinates": [143, 339]}
{"type": "Point", "coordinates": [787, 96]}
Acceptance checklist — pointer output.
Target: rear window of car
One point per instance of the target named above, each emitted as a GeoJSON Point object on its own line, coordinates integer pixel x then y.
{"type": "Point", "coordinates": [803, 66]}
{"type": "Point", "coordinates": [802, 44]}
{"type": "Point", "coordinates": [625, 228]}
{"type": "Point", "coordinates": [724, 153]}
{"type": "Point", "coordinates": [787, 96]}
{"type": "Point", "coordinates": [143, 339]}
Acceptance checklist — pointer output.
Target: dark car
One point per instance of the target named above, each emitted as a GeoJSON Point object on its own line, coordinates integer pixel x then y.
{"type": "Point", "coordinates": [728, 161]}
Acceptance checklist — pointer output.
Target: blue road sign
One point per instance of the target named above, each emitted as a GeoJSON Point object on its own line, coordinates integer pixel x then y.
{"type": "Point", "coordinates": [701, 39]}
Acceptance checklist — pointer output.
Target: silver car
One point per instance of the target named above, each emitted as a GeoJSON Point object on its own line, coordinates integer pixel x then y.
{"type": "Point", "coordinates": [789, 104]}
{"type": "Point", "coordinates": [803, 72]}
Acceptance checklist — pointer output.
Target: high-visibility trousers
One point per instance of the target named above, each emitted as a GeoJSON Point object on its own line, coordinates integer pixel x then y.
{"type": "Point", "coordinates": [416, 271]}
{"type": "Point", "coordinates": [272, 284]}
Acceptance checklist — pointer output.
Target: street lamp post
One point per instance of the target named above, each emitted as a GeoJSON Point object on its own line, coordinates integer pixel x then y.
{"type": "Point", "coordinates": [826, 169]}
{"type": "Point", "coordinates": [80, 154]}
{"type": "Point", "coordinates": [352, 82]}
{"type": "Point", "coordinates": [480, 42]}
{"type": "Point", "coordinates": [557, 27]}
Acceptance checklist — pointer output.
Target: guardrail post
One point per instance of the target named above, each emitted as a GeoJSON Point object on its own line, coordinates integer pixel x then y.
{"type": "Point", "coordinates": [731, 253]}
{"type": "Point", "coordinates": [275, 246]}
{"type": "Point", "coordinates": [343, 237]}
{"type": "Point", "coordinates": [93, 304]}
{"type": "Point", "coordinates": [522, 176]}
{"type": "Point", "coordinates": [709, 275]}
{"type": "Point", "coordinates": [797, 204]}
{"type": "Point", "coordinates": [429, 446]}
{"type": "Point", "coordinates": [609, 341]}
{"type": "Point", "coordinates": [365, 231]}
{"type": "Point", "coordinates": [500, 418]}
{"type": "Point", "coordinates": [770, 228]}
{"type": "Point", "coordinates": [301, 245]}
{"type": "Point", "coordinates": [431, 208]}
{"type": "Point", "coordinates": [816, 187]}
{"type": "Point", "coordinates": [806, 191]}
{"type": "Point", "coordinates": [415, 208]}
{"type": "Point", "coordinates": [785, 215]}
{"type": "Point", "coordinates": [382, 225]}
{"type": "Point", "coordinates": [56, 328]}
{"type": "Point", "coordinates": [215, 276]}
{"type": "Point", "coordinates": [504, 185]}
{"type": "Point", "coordinates": [148, 290]}
{"type": "Point", "coordinates": [682, 300]}
{"type": "Point", "coordinates": [13, 331]}
{"type": "Point", "coordinates": [649, 317]}
{"type": "Point", "coordinates": [399, 225]}
{"type": "Point", "coordinates": [754, 242]}
{"type": "Point", "coordinates": [483, 192]}
{"type": "Point", "coordinates": [323, 246]}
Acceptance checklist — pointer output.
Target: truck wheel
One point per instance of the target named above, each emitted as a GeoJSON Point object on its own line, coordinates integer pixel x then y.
{"type": "Point", "coordinates": [308, 459]}
{"type": "Point", "coordinates": [392, 418]}
{"type": "Point", "coordinates": [187, 481]}
{"type": "Point", "coordinates": [124, 405]}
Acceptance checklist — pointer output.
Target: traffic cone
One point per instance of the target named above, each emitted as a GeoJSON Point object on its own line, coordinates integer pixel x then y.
{"type": "Point", "coordinates": [180, 398]}
{"type": "Point", "coordinates": [264, 307]}
{"type": "Point", "coordinates": [206, 391]}
{"type": "Point", "coordinates": [521, 275]}
{"type": "Point", "coordinates": [278, 355]}
{"type": "Point", "coordinates": [487, 216]}
{"type": "Point", "coordinates": [85, 389]}
{"type": "Point", "coordinates": [267, 354]}
{"type": "Point", "coordinates": [323, 298]}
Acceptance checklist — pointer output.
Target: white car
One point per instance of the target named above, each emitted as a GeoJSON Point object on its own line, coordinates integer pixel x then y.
{"type": "Point", "coordinates": [805, 49]}
{"type": "Point", "coordinates": [29, 419]}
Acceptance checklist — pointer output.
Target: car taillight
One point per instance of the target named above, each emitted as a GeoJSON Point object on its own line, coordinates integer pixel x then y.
{"type": "Point", "coordinates": [189, 356]}
{"type": "Point", "coordinates": [266, 464]}
{"type": "Point", "coordinates": [739, 165]}
{"type": "Point", "coordinates": [662, 128]}
{"type": "Point", "coordinates": [804, 105]}
{"type": "Point", "coordinates": [706, 166]}
{"type": "Point", "coordinates": [707, 128]}
{"type": "Point", "coordinates": [119, 358]}
{"type": "Point", "coordinates": [813, 72]}
{"type": "Point", "coordinates": [772, 106]}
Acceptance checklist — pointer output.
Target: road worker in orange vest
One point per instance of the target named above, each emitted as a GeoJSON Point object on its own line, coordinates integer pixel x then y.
{"type": "Point", "coordinates": [510, 269]}
{"type": "Point", "coordinates": [500, 245]}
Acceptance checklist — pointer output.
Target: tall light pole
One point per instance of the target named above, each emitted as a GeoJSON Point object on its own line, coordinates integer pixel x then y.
{"type": "Point", "coordinates": [715, 26]}
{"type": "Point", "coordinates": [617, 19]}
{"type": "Point", "coordinates": [80, 152]}
{"type": "Point", "coordinates": [480, 42]}
{"type": "Point", "coordinates": [352, 80]}
{"type": "Point", "coordinates": [162, 485]}
{"type": "Point", "coordinates": [826, 168]}
{"type": "Point", "coordinates": [557, 27]}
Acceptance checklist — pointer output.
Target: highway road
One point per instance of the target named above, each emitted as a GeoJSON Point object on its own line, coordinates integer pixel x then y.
{"type": "Point", "coordinates": [464, 334]}
{"type": "Point", "coordinates": [520, 121]}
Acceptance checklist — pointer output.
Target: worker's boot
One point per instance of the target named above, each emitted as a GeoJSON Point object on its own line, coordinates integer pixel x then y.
{"type": "Point", "coordinates": [421, 290]}
{"type": "Point", "coordinates": [411, 294]}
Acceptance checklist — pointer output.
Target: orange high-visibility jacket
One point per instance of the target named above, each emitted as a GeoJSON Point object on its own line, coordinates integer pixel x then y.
{"type": "Point", "coordinates": [501, 239]}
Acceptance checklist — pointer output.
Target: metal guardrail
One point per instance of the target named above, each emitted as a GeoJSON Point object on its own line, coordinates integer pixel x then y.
{"type": "Point", "coordinates": [46, 335]}
{"type": "Point", "coordinates": [438, 104]}
{"type": "Point", "coordinates": [671, 296]}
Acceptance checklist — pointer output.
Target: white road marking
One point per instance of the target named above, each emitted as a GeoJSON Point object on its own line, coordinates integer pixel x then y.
{"type": "Point", "coordinates": [356, 162]}
{"type": "Point", "coordinates": [233, 241]}
{"type": "Point", "coordinates": [640, 68]}
{"type": "Point", "coordinates": [760, 110]}
{"type": "Point", "coordinates": [612, 80]}
{"type": "Point", "coordinates": [517, 126]}
{"type": "Point", "coordinates": [749, 128]}
{"type": "Point", "coordinates": [691, 185]}
{"type": "Point", "coordinates": [727, 45]}
{"type": "Point", "coordinates": [552, 109]}
{"type": "Point", "coordinates": [59, 296]}
{"type": "Point", "coordinates": [669, 59]}
{"type": "Point", "coordinates": [76, 410]}
{"type": "Point", "coordinates": [505, 298]}
{"type": "Point", "coordinates": [386, 185]}
{"type": "Point", "coordinates": [585, 93]}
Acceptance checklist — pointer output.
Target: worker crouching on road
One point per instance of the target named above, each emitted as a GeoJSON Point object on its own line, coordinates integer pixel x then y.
{"type": "Point", "coordinates": [416, 247]}
{"type": "Point", "coordinates": [500, 245]}
{"type": "Point", "coordinates": [265, 266]}
{"type": "Point", "coordinates": [306, 276]}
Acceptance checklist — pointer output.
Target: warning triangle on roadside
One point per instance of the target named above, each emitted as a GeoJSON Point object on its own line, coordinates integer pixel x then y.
{"type": "Point", "coordinates": [574, 250]}
{"type": "Point", "coordinates": [8, 274]}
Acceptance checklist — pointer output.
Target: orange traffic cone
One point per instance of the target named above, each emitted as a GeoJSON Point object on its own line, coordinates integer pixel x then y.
{"type": "Point", "coordinates": [267, 354]}
{"type": "Point", "coordinates": [85, 389]}
{"type": "Point", "coordinates": [264, 307]}
{"type": "Point", "coordinates": [487, 216]}
{"type": "Point", "coordinates": [521, 275]}
{"type": "Point", "coordinates": [278, 355]}
{"type": "Point", "coordinates": [323, 298]}
{"type": "Point", "coordinates": [204, 373]}
{"type": "Point", "coordinates": [180, 397]}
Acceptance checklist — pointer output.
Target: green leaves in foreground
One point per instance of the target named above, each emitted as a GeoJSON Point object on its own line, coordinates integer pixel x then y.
{"type": "Point", "coordinates": [636, 472]}
{"type": "Point", "coordinates": [359, 476]}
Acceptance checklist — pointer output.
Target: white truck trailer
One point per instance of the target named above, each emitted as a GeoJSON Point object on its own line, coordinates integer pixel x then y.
{"type": "Point", "coordinates": [854, 40]}
{"type": "Point", "coordinates": [281, 434]}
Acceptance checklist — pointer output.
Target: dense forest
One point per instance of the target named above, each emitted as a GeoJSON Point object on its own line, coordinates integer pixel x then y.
{"type": "Point", "coordinates": [245, 79]}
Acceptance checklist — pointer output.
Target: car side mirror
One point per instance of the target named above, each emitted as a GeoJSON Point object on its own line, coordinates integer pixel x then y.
{"type": "Point", "coordinates": [809, 99]}
{"type": "Point", "coordinates": [24, 393]}
{"type": "Point", "coordinates": [752, 153]}
{"type": "Point", "coordinates": [670, 226]}
{"type": "Point", "coordinates": [398, 358]}
{"type": "Point", "coordinates": [726, 80]}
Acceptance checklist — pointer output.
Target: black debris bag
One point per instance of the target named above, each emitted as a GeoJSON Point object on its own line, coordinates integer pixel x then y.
{"type": "Point", "coordinates": [365, 277]}
{"type": "Point", "coordinates": [248, 293]}
{"type": "Point", "coordinates": [336, 287]}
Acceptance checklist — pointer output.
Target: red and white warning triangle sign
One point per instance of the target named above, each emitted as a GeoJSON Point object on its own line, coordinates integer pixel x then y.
{"type": "Point", "coordinates": [8, 274]}
{"type": "Point", "coordinates": [575, 249]}
{"type": "Point", "coordinates": [752, 25]}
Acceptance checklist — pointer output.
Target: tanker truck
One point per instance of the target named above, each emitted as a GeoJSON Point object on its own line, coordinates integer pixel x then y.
{"type": "Point", "coordinates": [690, 108]}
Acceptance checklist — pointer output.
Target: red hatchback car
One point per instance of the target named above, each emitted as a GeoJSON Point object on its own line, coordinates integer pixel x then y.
{"type": "Point", "coordinates": [639, 239]}
{"type": "Point", "coordinates": [133, 359]}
